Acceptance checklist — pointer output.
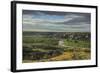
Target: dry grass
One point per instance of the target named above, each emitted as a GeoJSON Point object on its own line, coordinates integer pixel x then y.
{"type": "Point", "coordinates": [64, 56]}
{"type": "Point", "coordinates": [80, 55]}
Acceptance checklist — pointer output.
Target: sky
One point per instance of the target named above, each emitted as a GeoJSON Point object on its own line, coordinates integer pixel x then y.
{"type": "Point", "coordinates": [51, 21]}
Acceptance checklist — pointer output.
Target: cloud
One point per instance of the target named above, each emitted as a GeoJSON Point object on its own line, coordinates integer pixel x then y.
{"type": "Point", "coordinates": [56, 21]}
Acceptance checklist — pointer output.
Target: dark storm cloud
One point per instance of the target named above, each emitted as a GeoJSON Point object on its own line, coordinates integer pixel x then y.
{"type": "Point", "coordinates": [44, 12]}
{"type": "Point", "coordinates": [83, 19]}
{"type": "Point", "coordinates": [53, 12]}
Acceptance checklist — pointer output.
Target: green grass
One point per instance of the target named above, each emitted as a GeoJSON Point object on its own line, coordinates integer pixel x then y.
{"type": "Point", "coordinates": [77, 43]}
{"type": "Point", "coordinates": [51, 41]}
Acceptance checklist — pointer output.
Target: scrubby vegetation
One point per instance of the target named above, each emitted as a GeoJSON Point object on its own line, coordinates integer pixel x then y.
{"type": "Point", "coordinates": [56, 46]}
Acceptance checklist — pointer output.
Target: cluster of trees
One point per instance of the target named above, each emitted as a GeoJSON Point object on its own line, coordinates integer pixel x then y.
{"type": "Point", "coordinates": [60, 35]}
{"type": "Point", "coordinates": [32, 54]}
{"type": "Point", "coordinates": [78, 36]}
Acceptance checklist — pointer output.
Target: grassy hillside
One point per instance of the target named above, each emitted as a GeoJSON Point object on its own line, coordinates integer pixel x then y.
{"type": "Point", "coordinates": [56, 46]}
